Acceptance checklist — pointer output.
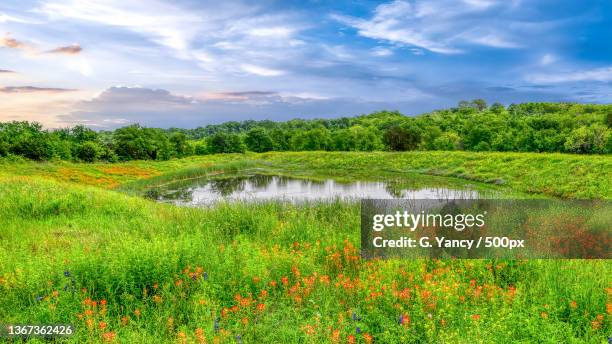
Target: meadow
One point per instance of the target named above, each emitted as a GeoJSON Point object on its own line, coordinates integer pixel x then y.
{"type": "Point", "coordinates": [79, 244]}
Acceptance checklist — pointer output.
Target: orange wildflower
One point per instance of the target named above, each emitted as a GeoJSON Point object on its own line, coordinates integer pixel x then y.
{"type": "Point", "coordinates": [182, 337]}
{"type": "Point", "coordinates": [109, 336]}
{"type": "Point", "coordinates": [335, 336]}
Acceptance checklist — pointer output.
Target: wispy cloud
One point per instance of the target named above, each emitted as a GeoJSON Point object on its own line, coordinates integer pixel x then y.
{"type": "Point", "coordinates": [164, 23]}
{"type": "Point", "coordinates": [9, 42]}
{"type": "Point", "coordinates": [6, 71]}
{"type": "Point", "coordinates": [68, 50]}
{"type": "Point", "coordinates": [597, 74]}
{"type": "Point", "coordinates": [33, 89]}
{"type": "Point", "coordinates": [12, 43]}
{"type": "Point", "coordinates": [261, 71]}
{"type": "Point", "coordinates": [440, 26]}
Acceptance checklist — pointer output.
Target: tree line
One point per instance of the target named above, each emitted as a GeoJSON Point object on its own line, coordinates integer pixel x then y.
{"type": "Point", "coordinates": [470, 126]}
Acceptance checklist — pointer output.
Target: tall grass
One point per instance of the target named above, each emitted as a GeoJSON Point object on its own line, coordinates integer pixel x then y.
{"type": "Point", "coordinates": [125, 269]}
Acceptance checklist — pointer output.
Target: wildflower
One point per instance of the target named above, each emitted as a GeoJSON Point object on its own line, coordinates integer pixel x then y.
{"type": "Point", "coordinates": [261, 307]}
{"type": "Point", "coordinates": [351, 339]}
{"type": "Point", "coordinates": [404, 320]}
{"type": "Point", "coordinates": [125, 320]}
{"type": "Point", "coordinates": [67, 273]}
{"type": "Point", "coordinates": [573, 304]}
{"type": "Point", "coordinates": [336, 335]}
{"type": "Point", "coordinates": [238, 338]}
{"type": "Point", "coordinates": [216, 325]}
{"type": "Point", "coordinates": [102, 325]}
{"type": "Point", "coordinates": [194, 276]}
{"type": "Point", "coordinates": [55, 293]}
{"type": "Point", "coordinates": [358, 330]}
{"type": "Point", "coordinates": [182, 337]}
{"type": "Point", "coordinates": [39, 298]}
{"type": "Point", "coordinates": [609, 308]}
{"type": "Point", "coordinates": [199, 333]}
{"type": "Point", "coordinates": [170, 322]}
{"type": "Point", "coordinates": [103, 302]}
{"type": "Point", "coordinates": [368, 338]}
{"type": "Point", "coordinates": [137, 312]}
{"type": "Point", "coordinates": [90, 324]}
{"type": "Point", "coordinates": [205, 275]}
{"type": "Point", "coordinates": [475, 317]}
{"type": "Point", "coordinates": [544, 315]}
{"type": "Point", "coordinates": [309, 330]}
{"type": "Point", "coordinates": [109, 336]}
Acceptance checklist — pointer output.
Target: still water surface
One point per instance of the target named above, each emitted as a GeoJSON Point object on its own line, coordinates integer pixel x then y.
{"type": "Point", "coordinates": [258, 187]}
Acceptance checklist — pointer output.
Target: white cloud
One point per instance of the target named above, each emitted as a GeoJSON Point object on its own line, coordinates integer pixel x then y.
{"type": "Point", "coordinates": [261, 71]}
{"type": "Point", "coordinates": [598, 74]}
{"type": "Point", "coordinates": [165, 24]}
{"type": "Point", "coordinates": [118, 106]}
{"type": "Point", "coordinates": [216, 36]}
{"type": "Point", "coordinates": [5, 18]}
{"type": "Point", "coordinates": [548, 59]}
{"type": "Point", "coordinates": [441, 26]}
{"type": "Point", "coordinates": [381, 51]}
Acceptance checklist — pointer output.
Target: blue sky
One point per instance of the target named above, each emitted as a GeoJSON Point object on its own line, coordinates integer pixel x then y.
{"type": "Point", "coordinates": [108, 63]}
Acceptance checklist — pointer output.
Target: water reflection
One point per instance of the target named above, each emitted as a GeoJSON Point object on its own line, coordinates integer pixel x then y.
{"type": "Point", "coordinates": [259, 187]}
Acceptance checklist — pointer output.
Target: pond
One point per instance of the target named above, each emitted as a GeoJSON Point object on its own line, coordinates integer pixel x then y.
{"type": "Point", "coordinates": [259, 187]}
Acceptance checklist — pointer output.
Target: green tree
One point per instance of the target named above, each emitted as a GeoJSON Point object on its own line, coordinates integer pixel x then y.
{"type": "Point", "coordinates": [398, 138]}
{"type": "Point", "coordinates": [312, 140]}
{"type": "Point", "coordinates": [180, 144]}
{"type": "Point", "coordinates": [223, 142]}
{"type": "Point", "coordinates": [448, 141]}
{"type": "Point", "coordinates": [89, 151]}
{"type": "Point", "coordinates": [258, 140]}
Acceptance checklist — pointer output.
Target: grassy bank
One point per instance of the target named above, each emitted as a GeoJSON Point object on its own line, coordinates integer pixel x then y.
{"type": "Point", "coordinates": [558, 175]}
{"type": "Point", "coordinates": [125, 269]}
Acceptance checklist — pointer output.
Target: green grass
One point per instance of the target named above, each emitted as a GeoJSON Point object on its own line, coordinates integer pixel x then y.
{"type": "Point", "coordinates": [557, 175]}
{"type": "Point", "coordinates": [280, 272]}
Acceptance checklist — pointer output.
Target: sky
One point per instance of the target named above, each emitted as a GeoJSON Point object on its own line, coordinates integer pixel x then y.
{"type": "Point", "coordinates": [188, 63]}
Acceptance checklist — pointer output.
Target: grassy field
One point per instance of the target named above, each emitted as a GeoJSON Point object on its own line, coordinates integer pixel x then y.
{"type": "Point", "coordinates": [77, 245]}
